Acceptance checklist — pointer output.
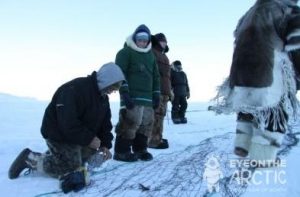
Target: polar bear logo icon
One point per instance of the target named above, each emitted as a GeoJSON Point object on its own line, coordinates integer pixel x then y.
{"type": "Point", "coordinates": [212, 174]}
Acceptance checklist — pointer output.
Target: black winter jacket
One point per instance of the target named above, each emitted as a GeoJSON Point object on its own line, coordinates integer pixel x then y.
{"type": "Point", "coordinates": [77, 113]}
{"type": "Point", "coordinates": [179, 83]}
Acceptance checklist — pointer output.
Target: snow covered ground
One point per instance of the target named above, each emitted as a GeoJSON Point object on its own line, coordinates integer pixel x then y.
{"type": "Point", "coordinates": [177, 171]}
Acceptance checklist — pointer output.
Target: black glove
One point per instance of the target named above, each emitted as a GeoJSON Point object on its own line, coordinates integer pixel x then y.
{"type": "Point", "coordinates": [188, 95]}
{"type": "Point", "coordinates": [73, 181]}
{"type": "Point", "coordinates": [155, 101]}
{"type": "Point", "coordinates": [127, 100]}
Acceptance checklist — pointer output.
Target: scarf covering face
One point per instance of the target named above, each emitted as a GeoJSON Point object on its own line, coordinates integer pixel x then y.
{"type": "Point", "coordinates": [262, 78]}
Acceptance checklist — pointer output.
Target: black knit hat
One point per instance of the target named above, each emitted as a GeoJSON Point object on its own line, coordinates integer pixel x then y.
{"type": "Point", "coordinates": [160, 37]}
{"type": "Point", "coordinates": [177, 62]}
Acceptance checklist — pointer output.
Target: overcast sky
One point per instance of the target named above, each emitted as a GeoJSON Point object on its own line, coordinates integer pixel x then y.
{"type": "Point", "coordinates": [44, 43]}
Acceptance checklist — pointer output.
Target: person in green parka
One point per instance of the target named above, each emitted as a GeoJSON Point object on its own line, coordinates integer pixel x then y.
{"type": "Point", "coordinates": [139, 97]}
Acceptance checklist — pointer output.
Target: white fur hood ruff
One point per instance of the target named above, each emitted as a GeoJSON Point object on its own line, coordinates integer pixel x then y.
{"type": "Point", "coordinates": [130, 43]}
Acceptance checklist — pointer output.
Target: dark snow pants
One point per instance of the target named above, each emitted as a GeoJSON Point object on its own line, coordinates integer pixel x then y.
{"type": "Point", "coordinates": [179, 106]}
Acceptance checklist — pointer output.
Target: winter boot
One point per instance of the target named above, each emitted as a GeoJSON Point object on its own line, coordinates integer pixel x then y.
{"type": "Point", "coordinates": [127, 157]}
{"type": "Point", "coordinates": [244, 133]}
{"type": "Point", "coordinates": [183, 120]}
{"type": "Point", "coordinates": [176, 120]}
{"type": "Point", "coordinates": [182, 117]}
{"type": "Point", "coordinates": [143, 155]}
{"type": "Point", "coordinates": [26, 159]}
{"type": "Point", "coordinates": [140, 147]}
{"type": "Point", "coordinates": [123, 150]}
{"type": "Point", "coordinates": [165, 141]}
{"type": "Point", "coordinates": [264, 147]}
{"type": "Point", "coordinates": [175, 117]}
{"type": "Point", "coordinates": [162, 145]}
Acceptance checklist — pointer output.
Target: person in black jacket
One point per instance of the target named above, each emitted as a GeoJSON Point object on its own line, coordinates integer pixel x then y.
{"type": "Point", "coordinates": [76, 125]}
{"type": "Point", "coordinates": [181, 90]}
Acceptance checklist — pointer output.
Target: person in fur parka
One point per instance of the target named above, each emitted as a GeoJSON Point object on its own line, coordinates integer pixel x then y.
{"type": "Point", "coordinates": [261, 86]}
{"type": "Point", "coordinates": [139, 97]}
{"type": "Point", "coordinates": [160, 48]}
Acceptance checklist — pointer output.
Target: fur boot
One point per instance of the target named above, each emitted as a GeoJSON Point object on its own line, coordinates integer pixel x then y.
{"type": "Point", "coordinates": [123, 150]}
{"type": "Point", "coordinates": [244, 132]}
{"type": "Point", "coordinates": [140, 147]}
{"type": "Point", "coordinates": [264, 146]}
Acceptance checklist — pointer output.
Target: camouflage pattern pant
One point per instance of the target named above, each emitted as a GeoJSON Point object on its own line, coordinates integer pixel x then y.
{"type": "Point", "coordinates": [160, 113]}
{"type": "Point", "coordinates": [137, 120]}
{"type": "Point", "coordinates": [64, 158]}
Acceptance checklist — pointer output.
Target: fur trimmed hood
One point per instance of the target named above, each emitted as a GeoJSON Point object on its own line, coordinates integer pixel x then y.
{"type": "Point", "coordinates": [157, 46]}
{"type": "Point", "coordinates": [130, 43]}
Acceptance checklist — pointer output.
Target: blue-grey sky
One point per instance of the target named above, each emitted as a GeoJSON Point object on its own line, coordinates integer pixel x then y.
{"type": "Point", "coordinates": [44, 43]}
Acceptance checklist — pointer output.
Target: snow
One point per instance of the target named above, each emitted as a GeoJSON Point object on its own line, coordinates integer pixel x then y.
{"type": "Point", "coordinates": [176, 171]}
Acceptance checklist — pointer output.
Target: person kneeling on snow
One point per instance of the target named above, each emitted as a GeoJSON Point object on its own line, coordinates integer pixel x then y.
{"type": "Point", "coordinates": [261, 86]}
{"type": "Point", "coordinates": [76, 126]}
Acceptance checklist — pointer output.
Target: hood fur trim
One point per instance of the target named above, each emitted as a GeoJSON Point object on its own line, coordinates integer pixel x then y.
{"type": "Point", "coordinates": [130, 43]}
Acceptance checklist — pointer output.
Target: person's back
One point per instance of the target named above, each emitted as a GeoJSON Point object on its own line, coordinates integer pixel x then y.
{"type": "Point", "coordinates": [258, 34]}
{"type": "Point", "coordinates": [84, 90]}
{"type": "Point", "coordinates": [179, 83]}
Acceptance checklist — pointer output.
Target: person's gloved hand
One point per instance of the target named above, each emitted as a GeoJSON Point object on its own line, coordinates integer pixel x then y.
{"type": "Point", "coordinates": [73, 181]}
{"type": "Point", "coordinates": [106, 153]}
{"type": "Point", "coordinates": [155, 101]}
{"type": "Point", "coordinates": [127, 100]}
{"type": "Point", "coordinates": [188, 95]}
{"type": "Point", "coordinates": [98, 158]}
{"type": "Point", "coordinates": [95, 143]}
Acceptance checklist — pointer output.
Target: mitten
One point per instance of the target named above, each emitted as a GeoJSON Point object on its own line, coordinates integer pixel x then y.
{"type": "Point", "coordinates": [188, 95]}
{"type": "Point", "coordinates": [127, 100]}
{"type": "Point", "coordinates": [155, 101]}
{"type": "Point", "coordinates": [74, 181]}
